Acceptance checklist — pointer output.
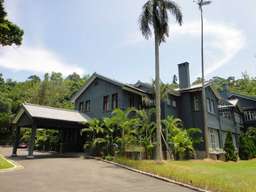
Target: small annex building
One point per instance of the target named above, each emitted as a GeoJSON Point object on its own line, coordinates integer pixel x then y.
{"type": "Point", "coordinates": [68, 122]}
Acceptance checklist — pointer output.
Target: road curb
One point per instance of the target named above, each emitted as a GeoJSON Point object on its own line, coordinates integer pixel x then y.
{"type": "Point", "coordinates": [152, 175]}
{"type": "Point", "coordinates": [16, 166]}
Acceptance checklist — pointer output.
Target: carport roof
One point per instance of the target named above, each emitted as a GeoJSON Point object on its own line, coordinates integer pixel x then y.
{"type": "Point", "coordinates": [46, 112]}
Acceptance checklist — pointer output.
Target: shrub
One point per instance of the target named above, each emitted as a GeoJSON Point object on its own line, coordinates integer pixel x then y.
{"type": "Point", "coordinates": [247, 148]}
{"type": "Point", "coordinates": [229, 148]}
{"type": "Point", "coordinates": [178, 138]}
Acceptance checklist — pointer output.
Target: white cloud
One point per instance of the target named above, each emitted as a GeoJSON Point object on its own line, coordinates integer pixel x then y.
{"type": "Point", "coordinates": [222, 42]}
{"type": "Point", "coordinates": [35, 59]}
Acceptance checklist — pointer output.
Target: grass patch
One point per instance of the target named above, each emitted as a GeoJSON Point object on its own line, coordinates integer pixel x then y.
{"type": "Point", "coordinates": [4, 164]}
{"type": "Point", "coordinates": [212, 175]}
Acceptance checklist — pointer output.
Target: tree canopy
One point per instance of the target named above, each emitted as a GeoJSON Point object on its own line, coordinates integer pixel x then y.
{"type": "Point", "coordinates": [9, 32]}
{"type": "Point", "coordinates": [53, 90]}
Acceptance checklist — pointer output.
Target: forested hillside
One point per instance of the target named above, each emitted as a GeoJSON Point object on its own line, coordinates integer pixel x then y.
{"type": "Point", "coordinates": [55, 90]}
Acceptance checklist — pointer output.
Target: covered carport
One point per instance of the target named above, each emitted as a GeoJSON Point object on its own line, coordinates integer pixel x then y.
{"type": "Point", "coordinates": [68, 122]}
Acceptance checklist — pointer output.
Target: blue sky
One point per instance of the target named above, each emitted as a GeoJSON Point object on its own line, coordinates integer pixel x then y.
{"type": "Point", "coordinates": [103, 36]}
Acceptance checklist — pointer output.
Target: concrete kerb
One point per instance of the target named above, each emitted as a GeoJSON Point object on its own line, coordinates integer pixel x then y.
{"type": "Point", "coordinates": [16, 166]}
{"type": "Point", "coordinates": [151, 175]}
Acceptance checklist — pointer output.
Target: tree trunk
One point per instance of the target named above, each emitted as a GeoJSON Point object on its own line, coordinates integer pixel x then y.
{"type": "Point", "coordinates": [204, 111]}
{"type": "Point", "coordinates": [158, 102]}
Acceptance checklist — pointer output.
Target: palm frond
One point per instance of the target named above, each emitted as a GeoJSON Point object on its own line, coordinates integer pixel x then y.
{"type": "Point", "coordinates": [146, 19]}
{"type": "Point", "coordinates": [174, 9]}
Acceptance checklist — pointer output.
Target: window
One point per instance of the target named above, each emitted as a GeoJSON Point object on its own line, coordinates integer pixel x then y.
{"type": "Point", "coordinates": [196, 103]}
{"type": "Point", "coordinates": [115, 101]}
{"type": "Point", "coordinates": [81, 107]}
{"type": "Point", "coordinates": [238, 118]}
{"type": "Point", "coordinates": [171, 102]}
{"type": "Point", "coordinates": [226, 114]}
{"type": "Point", "coordinates": [214, 138]}
{"type": "Point", "coordinates": [87, 106]}
{"type": "Point", "coordinates": [106, 103]}
{"type": "Point", "coordinates": [132, 101]}
{"type": "Point", "coordinates": [174, 104]}
{"type": "Point", "coordinates": [210, 106]}
{"type": "Point", "coordinates": [168, 101]}
{"type": "Point", "coordinates": [250, 115]}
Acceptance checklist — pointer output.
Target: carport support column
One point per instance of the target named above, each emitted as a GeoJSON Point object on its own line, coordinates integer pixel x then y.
{"type": "Point", "coordinates": [16, 142]}
{"type": "Point", "coordinates": [32, 141]}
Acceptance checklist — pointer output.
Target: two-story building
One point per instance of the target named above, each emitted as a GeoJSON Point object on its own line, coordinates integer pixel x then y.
{"type": "Point", "coordinates": [101, 95]}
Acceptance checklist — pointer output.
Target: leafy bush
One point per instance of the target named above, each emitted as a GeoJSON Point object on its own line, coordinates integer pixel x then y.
{"type": "Point", "coordinates": [178, 138]}
{"type": "Point", "coordinates": [247, 147]}
{"type": "Point", "coordinates": [229, 148]}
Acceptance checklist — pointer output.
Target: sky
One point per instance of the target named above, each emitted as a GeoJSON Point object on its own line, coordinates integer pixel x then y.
{"type": "Point", "coordinates": [103, 36]}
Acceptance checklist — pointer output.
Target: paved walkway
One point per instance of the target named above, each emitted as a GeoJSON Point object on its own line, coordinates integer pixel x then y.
{"type": "Point", "coordinates": [52, 174]}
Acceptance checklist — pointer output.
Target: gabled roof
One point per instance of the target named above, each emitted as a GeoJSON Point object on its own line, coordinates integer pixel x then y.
{"type": "Point", "coordinates": [231, 103]}
{"type": "Point", "coordinates": [45, 112]}
{"type": "Point", "coordinates": [242, 96]}
{"type": "Point", "coordinates": [198, 87]}
{"type": "Point", "coordinates": [150, 90]}
{"type": "Point", "coordinates": [126, 87]}
{"type": "Point", "coordinates": [194, 87]}
{"type": "Point", "coordinates": [144, 86]}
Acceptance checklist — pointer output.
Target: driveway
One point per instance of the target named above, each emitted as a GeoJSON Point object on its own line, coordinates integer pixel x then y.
{"type": "Point", "coordinates": [69, 174]}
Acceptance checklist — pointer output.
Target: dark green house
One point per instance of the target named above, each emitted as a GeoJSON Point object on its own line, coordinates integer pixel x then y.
{"type": "Point", "coordinates": [101, 95]}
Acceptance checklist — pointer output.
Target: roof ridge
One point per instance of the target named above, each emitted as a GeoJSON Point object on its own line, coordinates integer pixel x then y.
{"type": "Point", "coordinates": [50, 107]}
{"type": "Point", "coordinates": [244, 95]}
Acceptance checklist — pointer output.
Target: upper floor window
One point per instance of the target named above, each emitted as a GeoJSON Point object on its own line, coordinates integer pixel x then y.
{"type": "Point", "coordinates": [238, 118]}
{"type": "Point", "coordinates": [131, 101]}
{"type": "Point", "coordinates": [81, 107]}
{"type": "Point", "coordinates": [174, 104]}
{"type": "Point", "coordinates": [115, 101]}
{"type": "Point", "coordinates": [250, 115]}
{"type": "Point", "coordinates": [226, 114]}
{"type": "Point", "coordinates": [196, 102]}
{"type": "Point", "coordinates": [210, 106]}
{"type": "Point", "coordinates": [87, 106]}
{"type": "Point", "coordinates": [106, 103]}
{"type": "Point", "coordinates": [169, 101]}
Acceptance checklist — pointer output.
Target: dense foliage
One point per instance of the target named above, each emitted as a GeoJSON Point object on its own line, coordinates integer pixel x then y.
{"type": "Point", "coordinates": [133, 132]}
{"type": "Point", "coordinates": [247, 144]}
{"type": "Point", "coordinates": [229, 148]}
{"type": "Point", "coordinates": [53, 90]}
{"type": "Point", "coordinates": [9, 32]}
{"type": "Point", "coordinates": [245, 85]}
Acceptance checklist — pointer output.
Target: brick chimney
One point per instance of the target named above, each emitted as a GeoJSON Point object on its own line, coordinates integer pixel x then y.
{"type": "Point", "coordinates": [184, 76]}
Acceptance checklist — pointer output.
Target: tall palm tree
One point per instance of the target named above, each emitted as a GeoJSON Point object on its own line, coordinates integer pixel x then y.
{"type": "Point", "coordinates": [155, 15]}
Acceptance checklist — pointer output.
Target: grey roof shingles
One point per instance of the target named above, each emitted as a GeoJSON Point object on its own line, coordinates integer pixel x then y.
{"type": "Point", "coordinates": [46, 112]}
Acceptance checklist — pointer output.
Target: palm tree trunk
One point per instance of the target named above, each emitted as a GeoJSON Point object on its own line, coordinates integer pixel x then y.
{"type": "Point", "coordinates": [158, 102]}
{"type": "Point", "coordinates": [205, 117]}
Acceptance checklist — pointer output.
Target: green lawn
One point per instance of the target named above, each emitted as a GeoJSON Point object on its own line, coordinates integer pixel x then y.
{"type": "Point", "coordinates": [4, 164]}
{"type": "Point", "coordinates": [212, 175]}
